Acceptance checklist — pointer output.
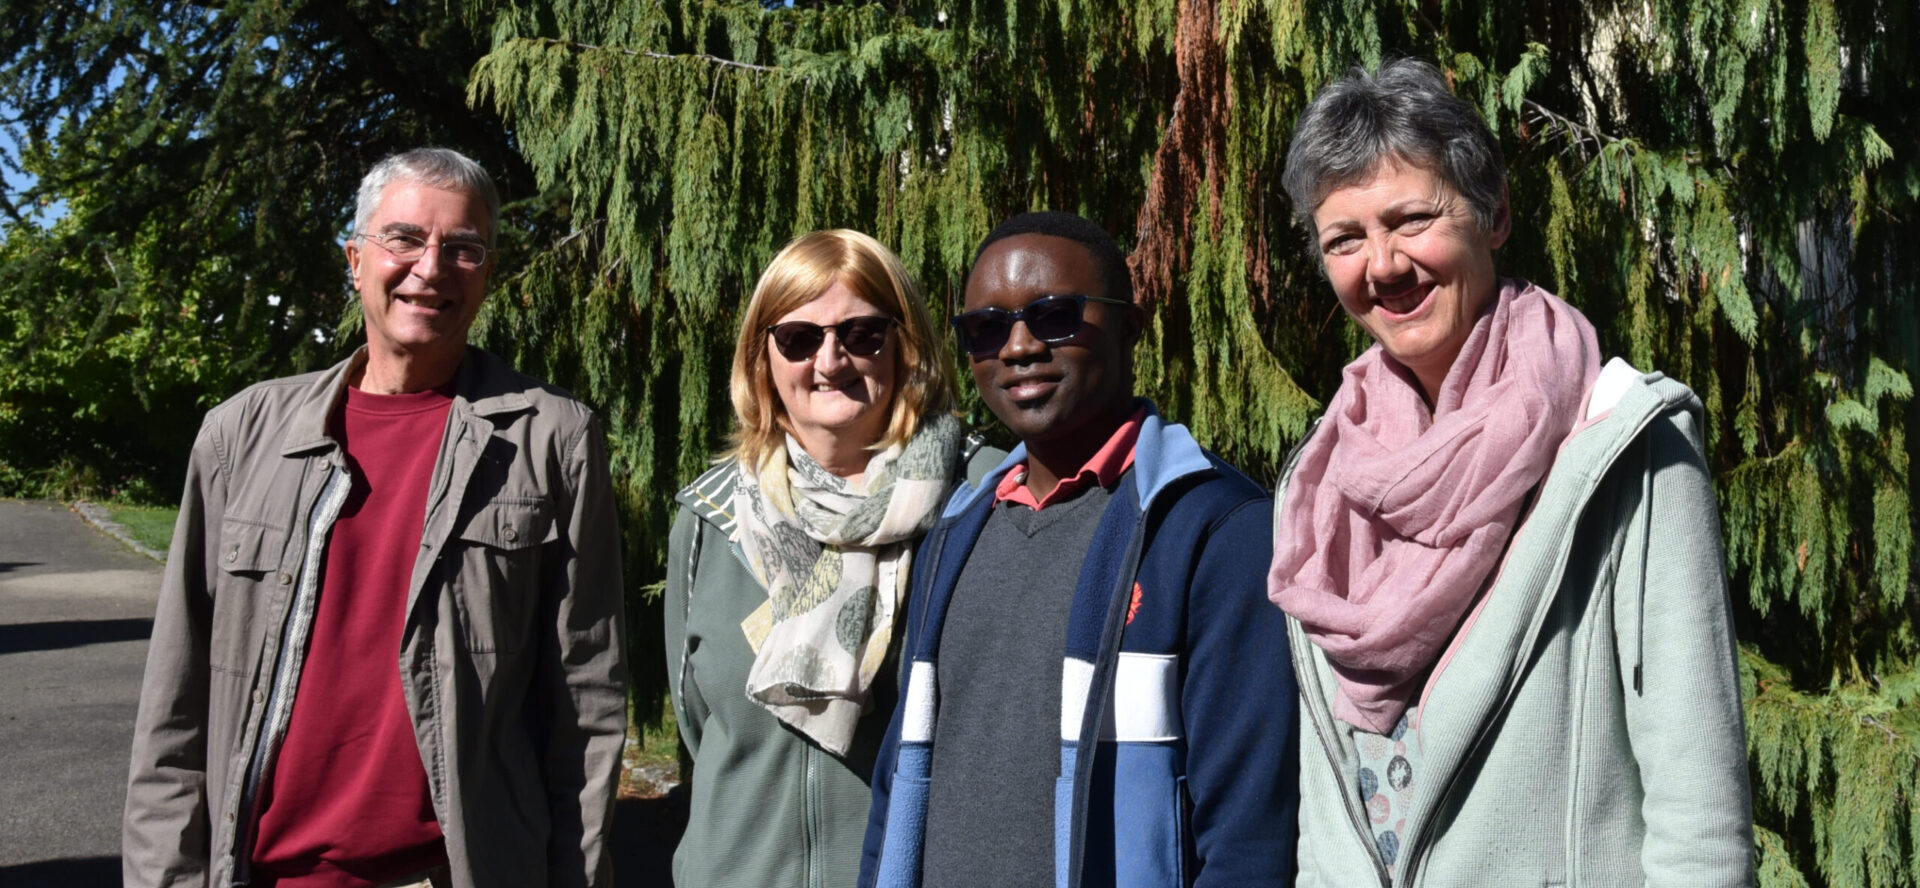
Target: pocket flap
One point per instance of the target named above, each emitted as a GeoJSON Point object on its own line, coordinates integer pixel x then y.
{"type": "Point", "coordinates": [246, 547]}
{"type": "Point", "coordinates": [509, 524]}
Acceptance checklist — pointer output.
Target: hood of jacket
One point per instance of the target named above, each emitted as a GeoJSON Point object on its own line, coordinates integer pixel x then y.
{"type": "Point", "coordinates": [1471, 697]}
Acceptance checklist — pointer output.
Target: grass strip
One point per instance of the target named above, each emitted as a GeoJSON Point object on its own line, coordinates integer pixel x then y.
{"type": "Point", "coordinates": [151, 525]}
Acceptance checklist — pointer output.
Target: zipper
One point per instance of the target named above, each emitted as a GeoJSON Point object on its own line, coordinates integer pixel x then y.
{"type": "Point", "coordinates": [279, 703]}
{"type": "Point", "coordinates": [1348, 797]}
{"type": "Point", "coordinates": [916, 634]}
{"type": "Point", "coordinates": [1298, 643]}
{"type": "Point", "coordinates": [1453, 779]}
{"type": "Point", "coordinates": [1513, 684]}
{"type": "Point", "coordinates": [812, 829]}
{"type": "Point", "coordinates": [1100, 695]}
{"type": "Point", "coordinates": [686, 618]}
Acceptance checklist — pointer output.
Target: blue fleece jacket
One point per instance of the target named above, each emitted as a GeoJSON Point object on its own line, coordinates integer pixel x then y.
{"type": "Point", "coordinates": [1177, 749]}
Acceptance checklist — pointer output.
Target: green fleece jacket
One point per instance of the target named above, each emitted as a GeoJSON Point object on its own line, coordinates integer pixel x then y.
{"type": "Point", "coordinates": [767, 807]}
{"type": "Point", "coordinates": [1585, 728]}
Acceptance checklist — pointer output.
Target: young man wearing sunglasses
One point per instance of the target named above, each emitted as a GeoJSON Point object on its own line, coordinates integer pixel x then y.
{"type": "Point", "coordinates": [1097, 692]}
{"type": "Point", "coordinates": [387, 647]}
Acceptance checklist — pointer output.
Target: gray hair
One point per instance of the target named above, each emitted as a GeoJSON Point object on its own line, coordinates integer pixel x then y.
{"type": "Point", "coordinates": [434, 167]}
{"type": "Point", "coordinates": [1405, 111]}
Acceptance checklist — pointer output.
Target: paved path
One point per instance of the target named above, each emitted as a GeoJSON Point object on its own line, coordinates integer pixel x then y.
{"type": "Point", "coordinates": [75, 610]}
{"type": "Point", "coordinates": [76, 607]}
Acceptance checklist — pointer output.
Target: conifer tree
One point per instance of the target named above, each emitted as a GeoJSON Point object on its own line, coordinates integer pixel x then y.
{"type": "Point", "coordinates": [1725, 187]}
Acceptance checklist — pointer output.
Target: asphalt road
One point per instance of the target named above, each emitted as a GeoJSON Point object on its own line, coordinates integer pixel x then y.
{"type": "Point", "coordinates": [76, 607]}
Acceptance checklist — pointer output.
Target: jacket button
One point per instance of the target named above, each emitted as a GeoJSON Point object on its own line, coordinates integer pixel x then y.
{"type": "Point", "coordinates": [510, 534]}
{"type": "Point", "coordinates": [285, 578]}
{"type": "Point", "coordinates": [233, 554]}
{"type": "Point", "coordinates": [259, 697]}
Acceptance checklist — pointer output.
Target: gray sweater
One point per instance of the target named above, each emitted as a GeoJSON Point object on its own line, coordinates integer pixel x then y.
{"type": "Point", "coordinates": [1587, 729]}
{"type": "Point", "coordinates": [996, 751]}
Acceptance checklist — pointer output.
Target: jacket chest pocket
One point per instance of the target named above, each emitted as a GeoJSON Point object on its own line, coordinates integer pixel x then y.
{"type": "Point", "coordinates": [496, 583]}
{"type": "Point", "coordinates": [248, 574]}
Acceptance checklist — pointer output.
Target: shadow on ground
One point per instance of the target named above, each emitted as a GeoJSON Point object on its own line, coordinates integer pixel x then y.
{"type": "Point", "coordinates": [6, 566]}
{"type": "Point", "coordinates": [58, 634]}
{"type": "Point", "coordinates": [645, 832]}
{"type": "Point", "coordinates": [77, 872]}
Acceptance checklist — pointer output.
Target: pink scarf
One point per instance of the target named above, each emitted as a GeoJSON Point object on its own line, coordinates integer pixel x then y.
{"type": "Point", "coordinates": [1397, 515]}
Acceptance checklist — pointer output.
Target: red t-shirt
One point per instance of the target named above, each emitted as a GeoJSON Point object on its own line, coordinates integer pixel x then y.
{"type": "Point", "coordinates": [347, 804]}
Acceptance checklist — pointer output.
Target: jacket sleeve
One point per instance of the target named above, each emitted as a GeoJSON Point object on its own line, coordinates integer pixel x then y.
{"type": "Point", "coordinates": [889, 755]}
{"type": "Point", "coordinates": [165, 837]}
{"type": "Point", "coordinates": [583, 669]}
{"type": "Point", "coordinates": [882, 793]}
{"type": "Point", "coordinates": [1684, 718]}
{"type": "Point", "coordinates": [1239, 700]}
{"type": "Point", "coordinates": [689, 707]}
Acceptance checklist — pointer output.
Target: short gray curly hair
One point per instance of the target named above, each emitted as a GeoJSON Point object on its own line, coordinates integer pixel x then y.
{"type": "Point", "coordinates": [437, 167]}
{"type": "Point", "coordinates": [1404, 110]}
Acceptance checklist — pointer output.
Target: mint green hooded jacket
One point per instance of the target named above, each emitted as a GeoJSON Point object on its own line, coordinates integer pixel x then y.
{"type": "Point", "coordinates": [1587, 730]}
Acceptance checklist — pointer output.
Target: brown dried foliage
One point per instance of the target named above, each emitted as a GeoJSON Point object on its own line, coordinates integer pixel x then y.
{"type": "Point", "coordinates": [1190, 161]}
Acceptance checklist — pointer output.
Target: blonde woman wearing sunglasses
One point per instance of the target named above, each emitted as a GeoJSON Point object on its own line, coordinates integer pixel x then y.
{"type": "Point", "coordinates": [789, 562]}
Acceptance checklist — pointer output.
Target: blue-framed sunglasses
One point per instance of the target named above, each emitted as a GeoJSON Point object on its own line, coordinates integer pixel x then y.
{"type": "Point", "coordinates": [1050, 319]}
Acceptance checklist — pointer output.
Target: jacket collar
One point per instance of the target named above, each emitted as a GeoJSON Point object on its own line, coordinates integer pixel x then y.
{"type": "Point", "coordinates": [482, 386]}
{"type": "Point", "coordinates": [1485, 666]}
{"type": "Point", "coordinates": [1164, 453]}
{"type": "Point", "coordinates": [710, 496]}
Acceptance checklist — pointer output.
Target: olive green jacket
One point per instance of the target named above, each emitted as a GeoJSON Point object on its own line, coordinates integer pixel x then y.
{"type": "Point", "coordinates": [768, 807]}
{"type": "Point", "coordinates": [1586, 729]}
{"type": "Point", "coordinates": [510, 660]}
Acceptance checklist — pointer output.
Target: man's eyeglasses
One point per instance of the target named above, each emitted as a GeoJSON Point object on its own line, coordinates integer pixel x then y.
{"type": "Point", "coordinates": [862, 337]}
{"type": "Point", "coordinates": [1050, 319]}
{"type": "Point", "coordinates": [408, 248]}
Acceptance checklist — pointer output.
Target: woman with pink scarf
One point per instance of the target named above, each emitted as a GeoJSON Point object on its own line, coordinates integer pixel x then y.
{"type": "Point", "coordinates": [1499, 554]}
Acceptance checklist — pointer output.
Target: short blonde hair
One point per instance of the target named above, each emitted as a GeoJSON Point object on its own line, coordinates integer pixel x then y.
{"type": "Point", "coordinates": [804, 269]}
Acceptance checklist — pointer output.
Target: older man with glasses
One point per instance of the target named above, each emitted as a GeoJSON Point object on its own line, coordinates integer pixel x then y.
{"type": "Point", "coordinates": [1095, 694]}
{"type": "Point", "coordinates": [387, 649]}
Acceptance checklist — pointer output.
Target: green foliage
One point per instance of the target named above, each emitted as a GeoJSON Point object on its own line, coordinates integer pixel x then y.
{"type": "Point", "coordinates": [206, 157]}
{"type": "Point", "coordinates": [1725, 187]}
{"type": "Point", "coordinates": [1844, 762]}
{"type": "Point", "coordinates": [1720, 186]}
{"type": "Point", "coordinates": [199, 162]}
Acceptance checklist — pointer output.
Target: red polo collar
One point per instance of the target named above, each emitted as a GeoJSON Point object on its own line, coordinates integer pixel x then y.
{"type": "Point", "coordinates": [1105, 468]}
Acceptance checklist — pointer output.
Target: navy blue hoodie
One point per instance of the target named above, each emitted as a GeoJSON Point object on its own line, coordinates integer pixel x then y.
{"type": "Point", "coordinates": [1186, 698]}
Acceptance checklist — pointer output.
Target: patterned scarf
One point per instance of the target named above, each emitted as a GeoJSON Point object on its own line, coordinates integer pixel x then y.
{"type": "Point", "coordinates": [835, 558]}
{"type": "Point", "coordinates": [1397, 515]}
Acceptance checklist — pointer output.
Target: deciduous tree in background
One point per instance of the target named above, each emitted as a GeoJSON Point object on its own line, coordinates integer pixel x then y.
{"type": "Point", "coordinates": [203, 158]}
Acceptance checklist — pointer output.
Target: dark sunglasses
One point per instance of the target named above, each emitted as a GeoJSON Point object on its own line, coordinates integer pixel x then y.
{"type": "Point", "coordinates": [1050, 319]}
{"type": "Point", "coordinates": [862, 337]}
